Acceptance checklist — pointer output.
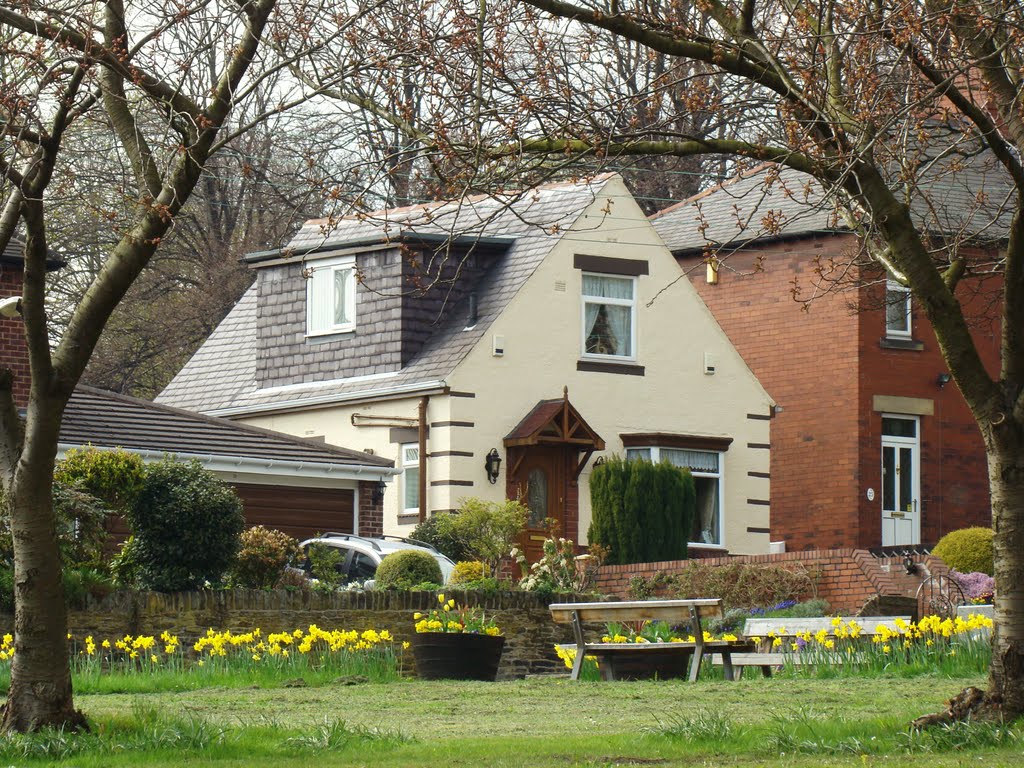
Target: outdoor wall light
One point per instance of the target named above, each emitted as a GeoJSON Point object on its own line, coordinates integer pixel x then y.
{"type": "Point", "coordinates": [492, 464]}
{"type": "Point", "coordinates": [377, 494]}
{"type": "Point", "coordinates": [910, 565]}
{"type": "Point", "coordinates": [943, 380]}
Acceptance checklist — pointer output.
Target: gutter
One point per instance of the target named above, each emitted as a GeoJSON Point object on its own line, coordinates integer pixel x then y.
{"type": "Point", "coordinates": [400, 390]}
{"type": "Point", "coordinates": [219, 463]}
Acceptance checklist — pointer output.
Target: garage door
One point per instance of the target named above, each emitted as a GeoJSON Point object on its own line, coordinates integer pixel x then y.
{"type": "Point", "coordinates": [299, 512]}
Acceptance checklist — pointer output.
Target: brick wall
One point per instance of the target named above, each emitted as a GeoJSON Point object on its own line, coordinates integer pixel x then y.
{"type": "Point", "coordinates": [823, 366]}
{"type": "Point", "coordinates": [524, 618]}
{"type": "Point", "coordinates": [371, 515]}
{"type": "Point", "coordinates": [13, 351]}
{"type": "Point", "coordinates": [846, 578]}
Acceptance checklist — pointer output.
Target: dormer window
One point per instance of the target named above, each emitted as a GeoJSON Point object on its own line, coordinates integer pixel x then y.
{"type": "Point", "coordinates": [331, 297]}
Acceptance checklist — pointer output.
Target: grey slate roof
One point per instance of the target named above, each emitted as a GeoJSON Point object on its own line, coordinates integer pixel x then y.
{"type": "Point", "coordinates": [960, 197]}
{"type": "Point", "coordinates": [108, 420]}
{"type": "Point", "coordinates": [221, 376]}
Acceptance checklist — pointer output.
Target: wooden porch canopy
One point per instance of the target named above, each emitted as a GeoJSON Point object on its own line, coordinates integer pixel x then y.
{"type": "Point", "coordinates": [556, 422]}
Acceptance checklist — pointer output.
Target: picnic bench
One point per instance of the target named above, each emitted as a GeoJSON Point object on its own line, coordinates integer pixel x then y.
{"type": "Point", "coordinates": [787, 631]}
{"type": "Point", "coordinates": [617, 660]}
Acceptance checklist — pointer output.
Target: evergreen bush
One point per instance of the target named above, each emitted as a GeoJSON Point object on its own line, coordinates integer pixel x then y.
{"type": "Point", "coordinates": [113, 476]}
{"type": "Point", "coordinates": [468, 571]}
{"type": "Point", "coordinates": [439, 532]}
{"type": "Point", "coordinates": [186, 525]}
{"type": "Point", "coordinates": [408, 568]}
{"type": "Point", "coordinates": [642, 512]}
{"type": "Point", "coordinates": [967, 550]}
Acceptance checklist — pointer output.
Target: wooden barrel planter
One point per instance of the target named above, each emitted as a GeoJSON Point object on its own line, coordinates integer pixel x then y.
{"type": "Point", "coordinates": [457, 655]}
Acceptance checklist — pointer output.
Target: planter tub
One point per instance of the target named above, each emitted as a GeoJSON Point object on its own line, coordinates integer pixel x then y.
{"type": "Point", "coordinates": [457, 655]}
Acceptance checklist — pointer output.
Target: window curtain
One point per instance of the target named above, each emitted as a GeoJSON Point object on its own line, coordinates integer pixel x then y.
{"type": "Point", "coordinates": [617, 318]}
{"type": "Point", "coordinates": [698, 461]}
{"type": "Point", "coordinates": [341, 278]}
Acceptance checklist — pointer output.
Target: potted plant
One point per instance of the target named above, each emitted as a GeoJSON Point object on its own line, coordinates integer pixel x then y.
{"type": "Point", "coordinates": [456, 643]}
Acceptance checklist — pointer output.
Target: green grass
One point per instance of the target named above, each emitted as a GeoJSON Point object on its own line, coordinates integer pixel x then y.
{"type": "Point", "coordinates": [537, 722]}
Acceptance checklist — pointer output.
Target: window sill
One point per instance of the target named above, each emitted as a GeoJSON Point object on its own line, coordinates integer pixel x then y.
{"type": "Point", "coordinates": [409, 519]}
{"type": "Point", "coordinates": [594, 366]}
{"type": "Point", "coordinates": [322, 336]}
{"type": "Point", "coordinates": [895, 342]}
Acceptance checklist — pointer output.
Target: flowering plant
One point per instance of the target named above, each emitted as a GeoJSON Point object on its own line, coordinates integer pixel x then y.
{"type": "Point", "coordinates": [979, 588]}
{"type": "Point", "coordinates": [449, 617]}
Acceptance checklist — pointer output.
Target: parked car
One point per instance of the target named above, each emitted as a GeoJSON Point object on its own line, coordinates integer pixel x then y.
{"type": "Point", "coordinates": [360, 555]}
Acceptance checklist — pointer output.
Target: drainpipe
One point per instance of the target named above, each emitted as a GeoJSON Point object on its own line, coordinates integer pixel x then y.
{"type": "Point", "coordinates": [423, 457]}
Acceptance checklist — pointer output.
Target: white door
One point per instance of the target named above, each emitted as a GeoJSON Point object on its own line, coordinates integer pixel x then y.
{"type": "Point", "coordinates": [901, 480]}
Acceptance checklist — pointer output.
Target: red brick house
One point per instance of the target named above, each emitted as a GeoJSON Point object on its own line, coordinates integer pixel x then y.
{"type": "Point", "coordinates": [872, 445]}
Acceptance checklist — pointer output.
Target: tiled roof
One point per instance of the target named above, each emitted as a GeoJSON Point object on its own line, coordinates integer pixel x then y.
{"type": "Point", "coordinates": [221, 376]}
{"type": "Point", "coordinates": [962, 198]}
{"type": "Point", "coordinates": [105, 419]}
{"type": "Point", "coordinates": [14, 253]}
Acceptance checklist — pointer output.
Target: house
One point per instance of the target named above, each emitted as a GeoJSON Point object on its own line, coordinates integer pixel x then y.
{"type": "Point", "coordinates": [871, 444]}
{"type": "Point", "coordinates": [298, 486]}
{"type": "Point", "coordinates": [496, 347]}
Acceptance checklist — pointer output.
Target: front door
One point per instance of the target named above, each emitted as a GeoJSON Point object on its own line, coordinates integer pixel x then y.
{"type": "Point", "coordinates": [901, 482]}
{"type": "Point", "coordinates": [540, 483]}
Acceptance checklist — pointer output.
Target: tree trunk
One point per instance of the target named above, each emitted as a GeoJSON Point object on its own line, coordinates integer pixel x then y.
{"type": "Point", "coordinates": [1006, 479]}
{"type": "Point", "coordinates": [40, 692]}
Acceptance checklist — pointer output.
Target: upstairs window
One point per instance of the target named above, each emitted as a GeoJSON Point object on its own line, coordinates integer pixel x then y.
{"type": "Point", "coordinates": [331, 297]}
{"type": "Point", "coordinates": [897, 309]}
{"type": "Point", "coordinates": [411, 479]}
{"type": "Point", "coordinates": [609, 316]}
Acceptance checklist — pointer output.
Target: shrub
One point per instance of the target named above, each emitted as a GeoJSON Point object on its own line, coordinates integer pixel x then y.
{"type": "Point", "coordinates": [467, 571]}
{"type": "Point", "coordinates": [80, 522]}
{"type": "Point", "coordinates": [325, 564]}
{"type": "Point", "coordinates": [186, 525]}
{"type": "Point", "coordinates": [7, 588]}
{"type": "Point", "coordinates": [262, 558]}
{"type": "Point", "coordinates": [438, 531]}
{"type": "Point", "coordinates": [739, 586]}
{"type": "Point", "coordinates": [114, 476]}
{"type": "Point", "coordinates": [967, 550]}
{"type": "Point", "coordinates": [488, 528]}
{"type": "Point", "coordinates": [976, 586]}
{"type": "Point", "coordinates": [408, 568]}
{"type": "Point", "coordinates": [642, 512]}
{"type": "Point", "coordinates": [559, 569]}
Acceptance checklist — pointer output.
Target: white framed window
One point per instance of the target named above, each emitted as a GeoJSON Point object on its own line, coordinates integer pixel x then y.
{"type": "Point", "coordinates": [706, 468]}
{"type": "Point", "coordinates": [410, 478]}
{"type": "Point", "coordinates": [897, 309]}
{"type": "Point", "coordinates": [331, 296]}
{"type": "Point", "coordinates": [609, 317]}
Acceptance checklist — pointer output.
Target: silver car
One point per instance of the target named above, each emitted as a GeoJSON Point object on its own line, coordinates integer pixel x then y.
{"type": "Point", "coordinates": [361, 555]}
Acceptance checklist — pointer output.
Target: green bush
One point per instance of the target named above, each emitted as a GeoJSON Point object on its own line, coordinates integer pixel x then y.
{"type": "Point", "coordinates": [407, 568]}
{"type": "Point", "coordinates": [7, 588]}
{"type": "Point", "coordinates": [968, 550]}
{"type": "Point", "coordinates": [325, 564]}
{"type": "Point", "coordinates": [81, 523]}
{"type": "Point", "coordinates": [262, 558]}
{"type": "Point", "coordinates": [468, 571]}
{"type": "Point", "coordinates": [186, 525]}
{"type": "Point", "coordinates": [438, 531]}
{"type": "Point", "coordinates": [113, 476]}
{"type": "Point", "coordinates": [642, 512]}
{"type": "Point", "coordinates": [739, 585]}
{"type": "Point", "coordinates": [488, 528]}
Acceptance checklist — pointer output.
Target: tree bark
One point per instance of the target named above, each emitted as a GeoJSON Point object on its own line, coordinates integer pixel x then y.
{"type": "Point", "coordinates": [1006, 479]}
{"type": "Point", "coordinates": [40, 692]}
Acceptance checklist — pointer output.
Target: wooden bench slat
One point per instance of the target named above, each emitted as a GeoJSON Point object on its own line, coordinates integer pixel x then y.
{"type": "Point", "coordinates": [638, 610]}
{"type": "Point", "coordinates": [868, 624]}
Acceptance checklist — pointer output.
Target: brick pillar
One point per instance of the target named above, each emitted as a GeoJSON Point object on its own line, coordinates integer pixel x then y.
{"type": "Point", "coordinates": [13, 350]}
{"type": "Point", "coordinates": [371, 516]}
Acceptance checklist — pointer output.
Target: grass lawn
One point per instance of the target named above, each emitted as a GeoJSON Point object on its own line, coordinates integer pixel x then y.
{"type": "Point", "coordinates": [538, 722]}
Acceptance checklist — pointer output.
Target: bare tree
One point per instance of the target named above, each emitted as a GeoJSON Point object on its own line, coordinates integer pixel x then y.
{"type": "Point", "coordinates": [159, 82]}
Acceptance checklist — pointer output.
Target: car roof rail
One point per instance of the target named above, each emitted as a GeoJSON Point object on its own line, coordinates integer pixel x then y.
{"type": "Point", "coordinates": [349, 537]}
{"type": "Point", "coordinates": [417, 542]}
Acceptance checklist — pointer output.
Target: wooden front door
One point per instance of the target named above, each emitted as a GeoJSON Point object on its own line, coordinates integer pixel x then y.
{"type": "Point", "coordinates": [540, 483]}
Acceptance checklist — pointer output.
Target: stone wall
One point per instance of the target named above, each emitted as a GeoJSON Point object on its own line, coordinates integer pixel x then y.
{"type": "Point", "coordinates": [847, 578]}
{"type": "Point", "coordinates": [523, 617]}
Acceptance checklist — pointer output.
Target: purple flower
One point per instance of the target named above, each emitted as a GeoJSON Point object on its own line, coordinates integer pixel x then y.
{"type": "Point", "coordinates": [975, 584]}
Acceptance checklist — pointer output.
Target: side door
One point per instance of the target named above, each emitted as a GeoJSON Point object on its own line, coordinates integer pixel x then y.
{"type": "Point", "coordinates": [901, 480]}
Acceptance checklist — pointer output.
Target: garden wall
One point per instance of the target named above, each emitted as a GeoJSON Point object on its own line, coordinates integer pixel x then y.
{"type": "Point", "coordinates": [847, 578]}
{"type": "Point", "coordinates": [530, 634]}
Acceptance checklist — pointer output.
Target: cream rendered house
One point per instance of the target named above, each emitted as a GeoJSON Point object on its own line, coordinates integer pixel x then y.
{"type": "Point", "coordinates": [545, 330]}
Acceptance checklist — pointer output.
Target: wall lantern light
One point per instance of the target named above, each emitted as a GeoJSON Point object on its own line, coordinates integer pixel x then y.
{"type": "Point", "coordinates": [493, 465]}
{"type": "Point", "coordinates": [943, 380]}
{"type": "Point", "coordinates": [377, 494]}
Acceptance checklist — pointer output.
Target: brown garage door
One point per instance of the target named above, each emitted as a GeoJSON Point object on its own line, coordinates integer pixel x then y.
{"type": "Point", "coordinates": [299, 512]}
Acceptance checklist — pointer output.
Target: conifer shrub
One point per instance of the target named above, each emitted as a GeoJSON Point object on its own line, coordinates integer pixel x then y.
{"type": "Point", "coordinates": [468, 571]}
{"type": "Point", "coordinates": [406, 569]}
{"type": "Point", "coordinates": [642, 512]}
{"type": "Point", "coordinates": [967, 550]}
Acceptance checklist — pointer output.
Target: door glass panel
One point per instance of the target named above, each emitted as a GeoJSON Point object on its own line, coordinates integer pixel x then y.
{"type": "Point", "coordinates": [906, 480]}
{"type": "Point", "coordinates": [888, 477]}
{"type": "Point", "coordinates": [537, 497]}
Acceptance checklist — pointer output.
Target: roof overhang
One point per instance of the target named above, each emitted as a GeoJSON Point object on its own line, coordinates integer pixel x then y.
{"type": "Point", "coordinates": [266, 469]}
{"type": "Point", "coordinates": [323, 401]}
{"type": "Point", "coordinates": [402, 237]}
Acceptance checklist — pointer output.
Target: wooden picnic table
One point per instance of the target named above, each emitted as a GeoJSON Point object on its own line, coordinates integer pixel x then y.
{"type": "Point", "coordinates": [616, 658]}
